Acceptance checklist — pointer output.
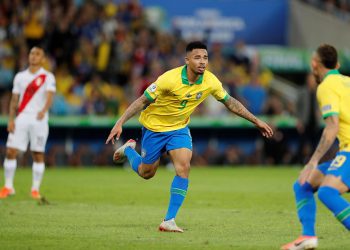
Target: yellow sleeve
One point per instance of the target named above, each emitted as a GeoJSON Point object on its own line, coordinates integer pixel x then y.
{"type": "Point", "coordinates": [218, 90]}
{"type": "Point", "coordinates": [155, 89]}
{"type": "Point", "coordinates": [328, 100]}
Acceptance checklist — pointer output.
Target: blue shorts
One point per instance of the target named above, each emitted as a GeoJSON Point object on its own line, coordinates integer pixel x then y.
{"type": "Point", "coordinates": [339, 166]}
{"type": "Point", "coordinates": [154, 144]}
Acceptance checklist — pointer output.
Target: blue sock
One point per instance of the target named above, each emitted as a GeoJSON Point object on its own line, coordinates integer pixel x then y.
{"type": "Point", "coordinates": [306, 207]}
{"type": "Point", "coordinates": [177, 195]}
{"type": "Point", "coordinates": [337, 204]}
{"type": "Point", "coordinates": [134, 158]}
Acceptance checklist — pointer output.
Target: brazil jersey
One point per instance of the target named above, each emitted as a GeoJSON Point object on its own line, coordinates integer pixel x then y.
{"type": "Point", "coordinates": [174, 99]}
{"type": "Point", "coordinates": [333, 95]}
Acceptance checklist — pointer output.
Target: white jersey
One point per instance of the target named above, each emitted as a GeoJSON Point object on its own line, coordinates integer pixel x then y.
{"type": "Point", "coordinates": [32, 90]}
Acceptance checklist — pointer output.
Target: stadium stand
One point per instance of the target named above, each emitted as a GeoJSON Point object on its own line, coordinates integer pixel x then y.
{"type": "Point", "coordinates": [105, 53]}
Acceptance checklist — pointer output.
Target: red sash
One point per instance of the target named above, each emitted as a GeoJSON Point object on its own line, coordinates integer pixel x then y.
{"type": "Point", "coordinates": [30, 91]}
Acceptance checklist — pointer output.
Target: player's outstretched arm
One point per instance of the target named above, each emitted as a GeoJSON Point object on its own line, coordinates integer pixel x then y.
{"type": "Point", "coordinates": [133, 109]}
{"type": "Point", "coordinates": [236, 107]}
{"type": "Point", "coordinates": [327, 139]}
{"type": "Point", "coordinates": [12, 113]}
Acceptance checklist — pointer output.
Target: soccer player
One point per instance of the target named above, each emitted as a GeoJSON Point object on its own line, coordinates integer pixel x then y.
{"type": "Point", "coordinates": [32, 95]}
{"type": "Point", "coordinates": [332, 178]}
{"type": "Point", "coordinates": [169, 102]}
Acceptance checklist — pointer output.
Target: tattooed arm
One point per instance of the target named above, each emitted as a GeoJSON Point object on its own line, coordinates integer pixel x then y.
{"type": "Point", "coordinates": [236, 107]}
{"type": "Point", "coordinates": [133, 109]}
{"type": "Point", "coordinates": [12, 113]}
{"type": "Point", "coordinates": [328, 137]}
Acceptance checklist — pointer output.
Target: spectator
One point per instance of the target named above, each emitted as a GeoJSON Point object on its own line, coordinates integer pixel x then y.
{"type": "Point", "coordinates": [308, 119]}
{"type": "Point", "coordinates": [254, 95]}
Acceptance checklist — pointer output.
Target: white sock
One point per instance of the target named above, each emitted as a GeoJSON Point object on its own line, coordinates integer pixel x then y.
{"type": "Point", "coordinates": [38, 172]}
{"type": "Point", "coordinates": [9, 169]}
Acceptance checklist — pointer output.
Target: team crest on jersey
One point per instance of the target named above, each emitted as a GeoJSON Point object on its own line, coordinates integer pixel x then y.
{"type": "Point", "coordinates": [199, 95]}
{"type": "Point", "coordinates": [326, 107]}
{"type": "Point", "coordinates": [143, 153]}
{"type": "Point", "coordinates": [38, 81]}
{"type": "Point", "coordinates": [152, 88]}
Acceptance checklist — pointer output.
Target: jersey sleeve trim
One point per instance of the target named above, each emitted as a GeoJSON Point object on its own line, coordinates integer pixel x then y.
{"type": "Point", "coordinates": [148, 96]}
{"type": "Point", "coordinates": [329, 114]}
{"type": "Point", "coordinates": [224, 99]}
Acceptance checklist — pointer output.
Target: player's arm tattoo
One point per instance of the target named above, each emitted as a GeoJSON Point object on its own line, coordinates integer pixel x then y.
{"type": "Point", "coordinates": [13, 106]}
{"type": "Point", "coordinates": [134, 108]}
{"type": "Point", "coordinates": [328, 137]}
{"type": "Point", "coordinates": [236, 107]}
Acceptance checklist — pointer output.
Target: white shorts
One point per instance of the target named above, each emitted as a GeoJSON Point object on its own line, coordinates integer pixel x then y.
{"type": "Point", "coordinates": [29, 129]}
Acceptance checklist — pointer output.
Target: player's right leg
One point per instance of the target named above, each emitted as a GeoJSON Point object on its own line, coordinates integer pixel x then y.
{"type": "Point", "coordinates": [152, 146]}
{"type": "Point", "coordinates": [18, 140]}
{"type": "Point", "coordinates": [306, 209]}
{"type": "Point", "coordinates": [10, 165]}
{"type": "Point", "coordinates": [127, 151]}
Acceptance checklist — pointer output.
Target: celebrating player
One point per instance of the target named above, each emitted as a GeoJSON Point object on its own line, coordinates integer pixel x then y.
{"type": "Point", "coordinates": [332, 178]}
{"type": "Point", "coordinates": [169, 102]}
{"type": "Point", "coordinates": [32, 95]}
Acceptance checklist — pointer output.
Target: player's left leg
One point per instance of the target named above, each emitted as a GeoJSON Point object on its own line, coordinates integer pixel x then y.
{"type": "Point", "coordinates": [330, 194]}
{"type": "Point", "coordinates": [38, 169]}
{"type": "Point", "coordinates": [38, 137]}
{"type": "Point", "coordinates": [180, 151]}
{"type": "Point", "coordinates": [181, 159]}
{"type": "Point", "coordinates": [336, 183]}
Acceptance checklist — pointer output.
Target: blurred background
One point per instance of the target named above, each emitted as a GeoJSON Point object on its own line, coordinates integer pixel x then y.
{"type": "Point", "coordinates": [104, 53]}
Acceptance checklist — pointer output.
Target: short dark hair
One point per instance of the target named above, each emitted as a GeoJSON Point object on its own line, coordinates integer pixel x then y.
{"type": "Point", "coordinates": [195, 45]}
{"type": "Point", "coordinates": [39, 46]}
{"type": "Point", "coordinates": [328, 56]}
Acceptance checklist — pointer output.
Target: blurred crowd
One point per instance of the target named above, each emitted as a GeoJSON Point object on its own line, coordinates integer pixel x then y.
{"type": "Point", "coordinates": [105, 53]}
{"type": "Point", "coordinates": [338, 8]}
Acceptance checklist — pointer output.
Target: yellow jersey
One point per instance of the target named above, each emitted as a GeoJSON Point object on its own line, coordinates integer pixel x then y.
{"type": "Point", "coordinates": [174, 99]}
{"type": "Point", "coordinates": [333, 95]}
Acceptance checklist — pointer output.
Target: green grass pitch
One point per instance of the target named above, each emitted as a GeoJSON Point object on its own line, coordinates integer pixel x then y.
{"type": "Point", "coordinates": [111, 208]}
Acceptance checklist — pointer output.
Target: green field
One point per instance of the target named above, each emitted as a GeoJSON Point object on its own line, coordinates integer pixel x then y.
{"type": "Point", "coordinates": [105, 208]}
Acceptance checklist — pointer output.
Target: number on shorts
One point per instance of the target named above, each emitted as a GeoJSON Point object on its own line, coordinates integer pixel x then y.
{"type": "Point", "coordinates": [338, 161]}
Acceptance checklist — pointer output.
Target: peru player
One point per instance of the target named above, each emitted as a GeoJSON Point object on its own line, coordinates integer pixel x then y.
{"type": "Point", "coordinates": [32, 95]}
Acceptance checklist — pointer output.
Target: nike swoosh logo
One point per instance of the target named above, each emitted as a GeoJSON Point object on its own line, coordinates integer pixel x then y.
{"type": "Point", "coordinates": [298, 243]}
